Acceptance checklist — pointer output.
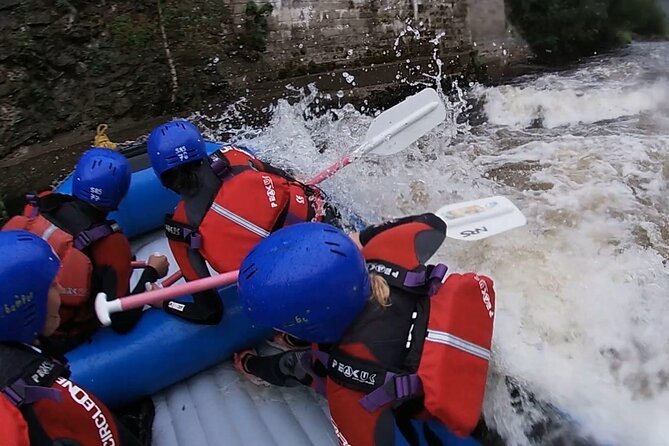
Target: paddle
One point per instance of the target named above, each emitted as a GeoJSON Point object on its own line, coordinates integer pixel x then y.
{"type": "Point", "coordinates": [485, 217]}
{"type": "Point", "coordinates": [479, 219]}
{"type": "Point", "coordinates": [390, 132]}
{"type": "Point", "coordinates": [395, 129]}
{"type": "Point", "coordinates": [104, 308]}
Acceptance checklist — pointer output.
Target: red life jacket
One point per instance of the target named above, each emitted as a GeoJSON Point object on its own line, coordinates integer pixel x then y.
{"type": "Point", "coordinates": [76, 267]}
{"type": "Point", "coordinates": [13, 427]}
{"type": "Point", "coordinates": [51, 406]}
{"type": "Point", "coordinates": [432, 342]}
{"type": "Point", "coordinates": [252, 202]}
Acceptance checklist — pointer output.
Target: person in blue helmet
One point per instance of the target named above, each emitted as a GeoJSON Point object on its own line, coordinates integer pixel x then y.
{"type": "Point", "coordinates": [229, 202]}
{"type": "Point", "coordinates": [402, 354]}
{"type": "Point", "coordinates": [95, 254]}
{"type": "Point", "coordinates": [37, 396]}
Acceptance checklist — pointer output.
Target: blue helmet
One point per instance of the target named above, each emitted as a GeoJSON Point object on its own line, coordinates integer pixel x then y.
{"type": "Point", "coordinates": [28, 269]}
{"type": "Point", "coordinates": [309, 280]}
{"type": "Point", "coordinates": [174, 144]}
{"type": "Point", "coordinates": [101, 178]}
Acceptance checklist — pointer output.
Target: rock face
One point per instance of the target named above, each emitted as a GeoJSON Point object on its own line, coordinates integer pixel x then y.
{"type": "Point", "coordinates": [71, 63]}
{"type": "Point", "coordinates": [68, 63]}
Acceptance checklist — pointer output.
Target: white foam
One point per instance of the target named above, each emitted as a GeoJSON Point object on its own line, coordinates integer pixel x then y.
{"type": "Point", "coordinates": [582, 290]}
{"type": "Point", "coordinates": [523, 106]}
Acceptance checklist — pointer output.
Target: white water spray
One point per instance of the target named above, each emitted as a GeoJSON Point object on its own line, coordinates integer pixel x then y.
{"type": "Point", "coordinates": [582, 290]}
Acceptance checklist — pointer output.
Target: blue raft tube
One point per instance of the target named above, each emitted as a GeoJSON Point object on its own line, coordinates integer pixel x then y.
{"type": "Point", "coordinates": [162, 349]}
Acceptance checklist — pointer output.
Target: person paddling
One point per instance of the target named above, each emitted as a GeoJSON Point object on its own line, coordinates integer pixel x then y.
{"type": "Point", "coordinates": [229, 202]}
{"type": "Point", "coordinates": [401, 357]}
{"type": "Point", "coordinates": [95, 254]}
{"type": "Point", "coordinates": [39, 405]}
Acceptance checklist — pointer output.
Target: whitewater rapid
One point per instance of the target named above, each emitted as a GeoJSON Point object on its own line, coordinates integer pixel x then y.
{"type": "Point", "coordinates": [582, 290]}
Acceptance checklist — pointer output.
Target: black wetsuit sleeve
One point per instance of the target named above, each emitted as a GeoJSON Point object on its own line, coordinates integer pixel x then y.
{"type": "Point", "coordinates": [206, 308]}
{"type": "Point", "coordinates": [149, 275]}
{"type": "Point", "coordinates": [123, 321]}
{"type": "Point", "coordinates": [429, 219]}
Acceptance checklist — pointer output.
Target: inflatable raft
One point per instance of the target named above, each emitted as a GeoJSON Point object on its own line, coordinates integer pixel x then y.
{"type": "Point", "coordinates": [199, 397]}
{"type": "Point", "coordinates": [162, 349]}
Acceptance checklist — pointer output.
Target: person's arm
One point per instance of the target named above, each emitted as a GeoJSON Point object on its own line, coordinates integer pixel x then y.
{"type": "Point", "coordinates": [111, 257]}
{"type": "Point", "coordinates": [429, 219]}
{"type": "Point", "coordinates": [408, 241]}
{"type": "Point", "coordinates": [207, 306]}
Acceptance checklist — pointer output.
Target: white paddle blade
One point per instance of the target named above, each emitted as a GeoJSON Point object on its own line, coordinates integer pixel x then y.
{"type": "Point", "coordinates": [479, 219]}
{"type": "Point", "coordinates": [399, 126]}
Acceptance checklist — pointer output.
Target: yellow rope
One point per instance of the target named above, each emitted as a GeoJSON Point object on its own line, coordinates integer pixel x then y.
{"type": "Point", "coordinates": [101, 138]}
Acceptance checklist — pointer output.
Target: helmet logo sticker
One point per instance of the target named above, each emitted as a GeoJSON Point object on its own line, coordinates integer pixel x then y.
{"type": "Point", "coordinates": [96, 193]}
{"type": "Point", "coordinates": [19, 301]}
{"type": "Point", "coordinates": [182, 153]}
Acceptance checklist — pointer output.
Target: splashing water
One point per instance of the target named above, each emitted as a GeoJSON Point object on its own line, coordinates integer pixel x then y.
{"type": "Point", "coordinates": [582, 289]}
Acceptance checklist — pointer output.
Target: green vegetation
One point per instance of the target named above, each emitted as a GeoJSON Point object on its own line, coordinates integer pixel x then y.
{"type": "Point", "coordinates": [4, 214]}
{"type": "Point", "coordinates": [563, 30]}
{"type": "Point", "coordinates": [133, 33]}
{"type": "Point", "coordinates": [252, 40]}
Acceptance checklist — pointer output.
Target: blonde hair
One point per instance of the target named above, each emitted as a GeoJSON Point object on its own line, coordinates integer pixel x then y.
{"type": "Point", "coordinates": [380, 290]}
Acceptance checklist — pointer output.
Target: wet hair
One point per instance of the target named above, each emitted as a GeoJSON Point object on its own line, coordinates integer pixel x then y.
{"type": "Point", "coordinates": [183, 179]}
{"type": "Point", "coordinates": [380, 290]}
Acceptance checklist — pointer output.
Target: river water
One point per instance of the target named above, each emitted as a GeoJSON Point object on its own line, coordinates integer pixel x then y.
{"type": "Point", "coordinates": [582, 290]}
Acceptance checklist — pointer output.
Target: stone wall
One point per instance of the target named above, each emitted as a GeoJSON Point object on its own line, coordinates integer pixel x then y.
{"type": "Point", "coordinates": [494, 39]}
{"type": "Point", "coordinates": [313, 36]}
{"type": "Point", "coordinates": [68, 64]}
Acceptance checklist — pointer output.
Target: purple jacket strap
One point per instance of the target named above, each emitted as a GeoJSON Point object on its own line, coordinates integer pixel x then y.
{"type": "Point", "coordinates": [436, 277]}
{"type": "Point", "coordinates": [20, 393]}
{"type": "Point", "coordinates": [86, 238]}
{"type": "Point", "coordinates": [395, 387]}
{"type": "Point", "coordinates": [221, 167]}
{"type": "Point", "coordinates": [430, 275]}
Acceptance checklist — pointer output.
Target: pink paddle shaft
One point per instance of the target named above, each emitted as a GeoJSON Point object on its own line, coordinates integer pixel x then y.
{"type": "Point", "coordinates": [171, 279]}
{"type": "Point", "coordinates": [327, 173]}
{"type": "Point", "coordinates": [150, 297]}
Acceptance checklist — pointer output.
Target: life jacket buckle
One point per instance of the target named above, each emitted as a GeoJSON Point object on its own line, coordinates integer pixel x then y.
{"type": "Point", "coordinates": [395, 388]}
{"type": "Point", "coordinates": [404, 386]}
{"type": "Point", "coordinates": [82, 240]}
{"type": "Point", "coordinates": [33, 201]}
{"type": "Point", "coordinates": [194, 239]}
{"type": "Point", "coordinates": [426, 276]}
